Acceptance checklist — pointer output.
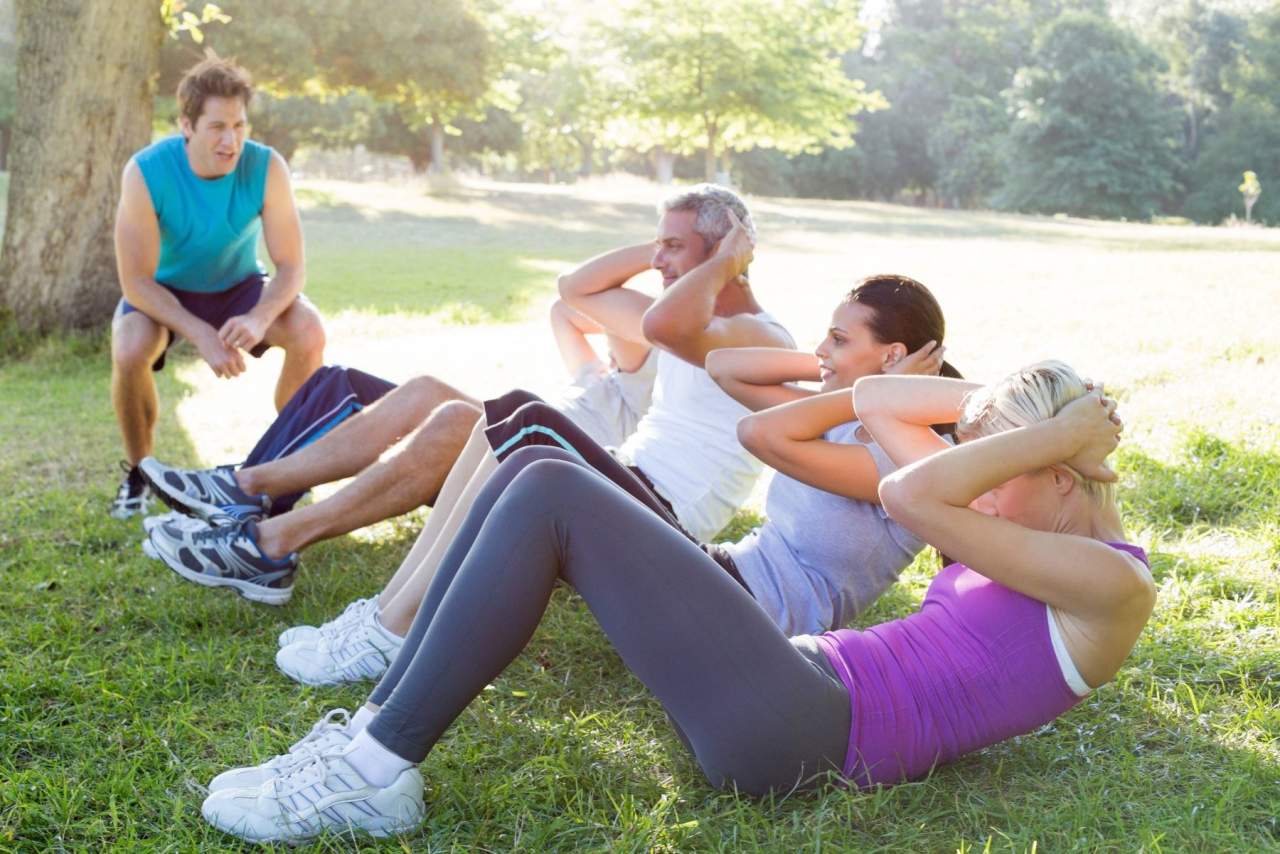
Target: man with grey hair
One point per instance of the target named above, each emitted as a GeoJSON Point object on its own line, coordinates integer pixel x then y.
{"type": "Point", "coordinates": [685, 446]}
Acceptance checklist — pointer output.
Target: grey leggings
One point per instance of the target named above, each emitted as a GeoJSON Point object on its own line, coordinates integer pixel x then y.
{"type": "Point", "coordinates": [756, 712]}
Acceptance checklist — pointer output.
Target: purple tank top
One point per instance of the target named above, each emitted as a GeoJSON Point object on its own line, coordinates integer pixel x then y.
{"type": "Point", "coordinates": [974, 666]}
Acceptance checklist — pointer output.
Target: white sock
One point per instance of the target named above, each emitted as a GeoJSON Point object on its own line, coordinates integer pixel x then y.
{"type": "Point", "coordinates": [359, 721]}
{"type": "Point", "coordinates": [375, 763]}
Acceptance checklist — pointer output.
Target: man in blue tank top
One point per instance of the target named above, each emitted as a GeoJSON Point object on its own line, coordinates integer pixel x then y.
{"type": "Point", "coordinates": [192, 210]}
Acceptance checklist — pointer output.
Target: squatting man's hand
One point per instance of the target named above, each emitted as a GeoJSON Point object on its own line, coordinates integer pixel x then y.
{"type": "Point", "coordinates": [225, 360]}
{"type": "Point", "coordinates": [243, 331]}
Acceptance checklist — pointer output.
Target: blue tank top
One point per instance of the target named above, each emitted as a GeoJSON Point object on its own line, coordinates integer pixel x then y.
{"type": "Point", "coordinates": [209, 227]}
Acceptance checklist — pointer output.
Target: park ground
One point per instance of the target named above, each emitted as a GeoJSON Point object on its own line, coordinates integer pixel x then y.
{"type": "Point", "coordinates": [124, 688]}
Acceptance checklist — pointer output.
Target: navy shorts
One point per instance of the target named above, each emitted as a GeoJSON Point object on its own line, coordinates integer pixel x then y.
{"type": "Point", "coordinates": [214, 309]}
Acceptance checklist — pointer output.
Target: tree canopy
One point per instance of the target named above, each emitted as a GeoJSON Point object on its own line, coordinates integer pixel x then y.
{"type": "Point", "coordinates": [723, 76]}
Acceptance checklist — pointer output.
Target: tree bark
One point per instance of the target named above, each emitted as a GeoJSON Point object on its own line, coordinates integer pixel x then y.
{"type": "Point", "coordinates": [724, 175]}
{"type": "Point", "coordinates": [85, 74]}
{"type": "Point", "coordinates": [710, 155]}
{"type": "Point", "coordinates": [438, 166]}
{"type": "Point", "coordinates": [664, 165]}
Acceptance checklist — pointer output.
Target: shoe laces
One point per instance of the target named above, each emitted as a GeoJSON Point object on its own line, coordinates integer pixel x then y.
{"type": "Point", "coordinates": [333, 719]}
{"type": "Point", "coordinates": [312, 745]}
{"type": "Point", "coordinates": [342, 623]}
{"type": "Point", "coordinates": [227, 532]}
{"type": "Point", "coordinates": [355, 632]}
{"type": "Point", "coordinates": [310, 768]}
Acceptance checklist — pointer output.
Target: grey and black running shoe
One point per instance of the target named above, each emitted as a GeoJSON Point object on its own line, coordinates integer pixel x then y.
{"type": "Point", "coordinates": [132, 497]}
{"type": "Point", "coordinates": [227, 556]}
{"type": "Point", "coordinates": [209, 494]}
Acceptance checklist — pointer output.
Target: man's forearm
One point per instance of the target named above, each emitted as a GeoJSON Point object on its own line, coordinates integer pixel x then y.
{"type": "Point", "coordinates": [158, 303]}
{"type": "Point", "coordinates": [689, 304]}
{"type": "Point", "coordinates": [280, 292]}
{"type": "Point", "coordinates": [604, 272]}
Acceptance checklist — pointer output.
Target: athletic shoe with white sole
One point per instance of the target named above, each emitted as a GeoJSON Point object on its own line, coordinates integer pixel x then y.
{"type": "Point", "coordinates": [330, 734]}
{"type": "Point", "coordinates": [336, 626]}
{"type": "Point", "coordinates": [203, 493]}
{"type": "Point", "coordinates": [133, 496]}
{"type": "Point", "coordinates": [226, 556]}
{"type": "Point", "coordinates": [363, 651]}
{"type": "Point", "coordinates": [324, 793]}
{"type": "Point", "coordinates": [182, 521]}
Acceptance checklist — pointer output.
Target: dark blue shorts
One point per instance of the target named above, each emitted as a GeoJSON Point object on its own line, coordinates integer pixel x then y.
{"type": "Point", "coordinates": [214, 309]}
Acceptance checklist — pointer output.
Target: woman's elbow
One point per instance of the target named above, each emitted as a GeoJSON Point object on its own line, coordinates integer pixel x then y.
{"type": "Point", "coordinates": [866, 400]}
{"type": "Point", "coordinates": [717, 365]}
{"type": "Point", "coordinates": [751, 434]}
{"type": "Point", "coordinates": [900, 496]}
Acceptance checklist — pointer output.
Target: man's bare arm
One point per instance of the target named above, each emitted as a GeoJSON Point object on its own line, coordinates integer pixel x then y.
{"type": "Point", "coordinates": [570, 329]}
{"type": "Point", "coordinates": [596, 289]}
{"type": "Point", "coordinates": [683, 319]}
{"type": "Point", "coordinates": [282, 232]}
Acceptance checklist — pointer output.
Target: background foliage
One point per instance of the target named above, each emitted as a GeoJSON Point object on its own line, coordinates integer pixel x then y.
{"type": "Point", "coordinates": [1104, 108]}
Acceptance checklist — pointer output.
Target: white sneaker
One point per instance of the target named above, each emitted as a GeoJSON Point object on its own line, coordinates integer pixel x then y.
{"type": "Point", "coordinates": [330, 734]}
{"type": "Point", "coordinates": [173, 517]}
{"type": "Point", "coordinates": [363, 651]}
{"type": "Point", "coordinates": [322, 793]}
{"type": "Point", "coordinates": [336, 626]}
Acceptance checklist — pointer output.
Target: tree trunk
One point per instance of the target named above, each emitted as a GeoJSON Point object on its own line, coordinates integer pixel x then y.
{"type": "Point", "coordinates": [723, 174]}
{"type": "Point", "coordinates": [4, 148]}
{"type": "Point", "coordinates": [709, 158]}
{"type": "Point", "coordinates": [438, 166]}
{"type": "Point", "coordinates": [86, 71]}
{"type": "Point", "coordinates": [664, 165]}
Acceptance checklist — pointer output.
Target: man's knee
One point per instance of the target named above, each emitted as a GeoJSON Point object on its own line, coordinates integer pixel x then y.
{"type": "Point", "coordinates": [449, 424]}
{"type": "Point", "coordinates": [299, 330]}
{"type": "Point", "coordinates": [136, 342]}
{"type": "Point", "coordinates": [425, 393]}
{"type": "Point", "coordinates": [457, 417]}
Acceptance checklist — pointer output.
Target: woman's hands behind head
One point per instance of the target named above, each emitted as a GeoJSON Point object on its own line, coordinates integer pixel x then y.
{"type": "Point", "coordinates": [1092, 421]}
{"type": "Point", "coordinates": [927, 361]}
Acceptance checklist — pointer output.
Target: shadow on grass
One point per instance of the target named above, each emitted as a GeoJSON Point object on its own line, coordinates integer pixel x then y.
{"type": "Point", "coordinates": [1214, 482]}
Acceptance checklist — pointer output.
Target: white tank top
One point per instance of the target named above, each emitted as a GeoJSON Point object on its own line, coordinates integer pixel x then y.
{"type": "Point", "coordinates": [687, 444]}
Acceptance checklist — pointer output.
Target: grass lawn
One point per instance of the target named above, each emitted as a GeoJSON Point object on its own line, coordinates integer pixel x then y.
{"type": "Point", "coordinates": [125, 688]}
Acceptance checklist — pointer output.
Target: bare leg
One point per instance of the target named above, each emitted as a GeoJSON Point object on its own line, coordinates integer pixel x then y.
{"type": "Point", "coordinates": [397, 614]}
{"type": "Point", "coordinates": [409, 479]}
{"type": "Point", "coordinates": [300, 332]}
{"type": "Point", "coordinates": [355, 444]}
{"type": "Point", "coordinates": [136, 342]}
{"type": "Point", "coordinates": [473, 452]}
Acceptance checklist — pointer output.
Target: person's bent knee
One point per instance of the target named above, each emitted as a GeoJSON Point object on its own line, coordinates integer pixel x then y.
{"type": "Point", "coordinates": [458, 412]}
{"type": "Point", "coordinates": [549, 470]}
{"type": "Point", "coordinates": [530, 454]}
{"type": "Point", "coordinates": [426, 391]}
{"type": "Point", "coordinates": [537, 412]}
{"type": "Point", "coordinates": [135, 344]}
{"type": "Point", "coordinates": [300, 330]}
